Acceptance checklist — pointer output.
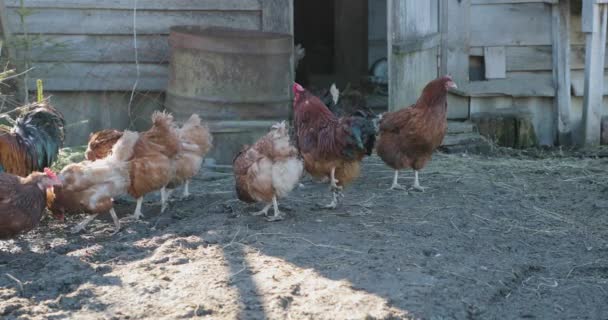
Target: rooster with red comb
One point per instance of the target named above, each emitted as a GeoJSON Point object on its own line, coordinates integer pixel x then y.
{"type": "Point", "coordinates": [331, 147]}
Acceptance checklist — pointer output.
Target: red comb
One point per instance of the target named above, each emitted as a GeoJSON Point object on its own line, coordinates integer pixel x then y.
{"type": "Point", "coordinates": [50, 173]}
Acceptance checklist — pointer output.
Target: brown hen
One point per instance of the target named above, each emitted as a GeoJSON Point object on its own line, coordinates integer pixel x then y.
{"type": "Point", "coordinates": [22, 201]}
{"type": "Point", "coordinates": [409, 136]}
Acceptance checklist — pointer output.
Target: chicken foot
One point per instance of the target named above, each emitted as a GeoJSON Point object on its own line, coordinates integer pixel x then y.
{"type": "Point", "coordinates": [416, 185]}
{"type": "Point", "coordinates": [263, 212]}
{"type": "Point", "coordinates": [335, 200]}
{"type": "Point", "coordinates": [83, 224]}
{"type": "Point", "coordinates": [396, 185]}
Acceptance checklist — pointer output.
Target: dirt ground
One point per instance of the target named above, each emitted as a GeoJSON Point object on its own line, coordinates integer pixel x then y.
{"type": "Point", "coordinates": [508, 236]}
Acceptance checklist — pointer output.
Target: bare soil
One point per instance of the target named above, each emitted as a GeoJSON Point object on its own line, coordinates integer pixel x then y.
{"type": "Point", "coordinates": [508, 236]}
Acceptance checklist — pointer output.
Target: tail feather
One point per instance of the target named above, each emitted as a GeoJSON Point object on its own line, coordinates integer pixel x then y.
{"type": "Point", "coordinates": [162, 119]}
{"type": "Point", "coordinates": [363, 132]}
{"type": "Point", "coordinates": [42, 131]}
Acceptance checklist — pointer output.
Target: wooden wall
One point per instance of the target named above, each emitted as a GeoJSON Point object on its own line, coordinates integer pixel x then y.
{"type": "Point", "coordinates": [515, 40]}
{"type": "Point", "coordinates": [84, 49]}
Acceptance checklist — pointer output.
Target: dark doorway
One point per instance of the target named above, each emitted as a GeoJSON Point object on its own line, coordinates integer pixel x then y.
{"type": "Point", "coordinates": [335, 36]}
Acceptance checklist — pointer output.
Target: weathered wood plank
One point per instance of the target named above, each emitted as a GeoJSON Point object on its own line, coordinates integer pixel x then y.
{"type": "Point", "coordinates": [531, 58]}
{"type": "Point", "coordinates": [511, 24]}
{"type": "Point", "coordinates": [476, 2]}
{"type": "Point", "coordinates": [143, 5]}
{"type": "Point", "coordinates": [419, 44]}
{"type": "Point", "coordinates": [577, 78]}
{"type": "Point", "coordinates": [594, 24]}
{"type": "Point", "coordinates": [515, 85]}
{"type": "Point", "coordinates": [455, 26]}
{"type": "Point", "coordinates": [496, 62]}
{"type": "Point", "coordinates": [86, 112]}
{"type": "Point", "coordinates": [561, 70]}
{"type": "Point", "coordinates": [100, 48]}
{"type": "Point", "coordinates": [116, 22]}
{"type": "Point", "coordinates": [277, 16]}
{"type": "Point", "coordinates": [98, 77]}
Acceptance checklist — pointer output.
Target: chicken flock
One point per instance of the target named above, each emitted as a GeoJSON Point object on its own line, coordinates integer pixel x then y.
{"type": "Point", "coordinates": [326, 142]}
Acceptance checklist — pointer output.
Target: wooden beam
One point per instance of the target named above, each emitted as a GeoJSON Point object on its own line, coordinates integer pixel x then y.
{"type": "Point", "coordinates": [189, 5]}
{"type": "Point", "coordinates": [561, 70]}
{"type": "Point", "coordinates": [456, 36]}
{"type": "Point", "coordinates": [119, 22]}
{"type": "Point", "coordinates": [99, 77]}
{"type": "Point", "coordinates": [594, 25]}
{"type": "Point", "coordinates": [419, 44]}
{"type": "Point", "coordinates": [510, 24]}
{"type": "Point", "coordinates": [477, 2]}
{"type": "Point", "coordinates": [515, 85]}
{"type": "Point", "coordinates": [410, 72]}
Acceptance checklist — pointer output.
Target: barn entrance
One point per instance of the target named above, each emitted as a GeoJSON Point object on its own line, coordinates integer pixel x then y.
{"type": "Point", "coordinates": [342, 40]}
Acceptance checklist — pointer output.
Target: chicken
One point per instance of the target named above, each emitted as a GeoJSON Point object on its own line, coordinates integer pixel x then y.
{"type": "Point", "coordinates": [34, 141]}
{"type": "Point", "coordinates": [22, 201]}
{"type": "Point", "coordinates": [91, 186]}
{"type": "Point", "coordinates": [101, 143]}
{"type": "Point", "coordinates": [150, 169]}
{"type": "Point", "coordinates": [330, 146]}
{"type": "Point", "coordinates": [408, 137]}
{"type": "Point", "coordinates": [196, 140]}
{"type": "Point", "coordinates": [268, 170]}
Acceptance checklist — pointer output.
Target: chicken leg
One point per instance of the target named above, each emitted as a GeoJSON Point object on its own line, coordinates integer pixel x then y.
{"type": "Point", "coordinates": [83, 224]}
{"type": "Point", "coordinates": [263, 212]}
{"type": "Point", "coordinates": [116, 221]}
{"type": "Point", "coordinates": [278, 216]}
{"type": "Point", "coordinates": [416, 185]}
{"type": "Point", "coordinates": [334, 181]}
{"type": "Point", "coordinates": [165, 194]}
{"type": "Point", "coordinates": [186, 194]}
{"type": "Point", "coordinates": [396, 185]}
{"type": "Point", "coordinates": [137, 214]}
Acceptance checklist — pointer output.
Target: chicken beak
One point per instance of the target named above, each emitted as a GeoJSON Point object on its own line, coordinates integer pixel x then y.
{"type": "Point", "coordinates": [453, 85]}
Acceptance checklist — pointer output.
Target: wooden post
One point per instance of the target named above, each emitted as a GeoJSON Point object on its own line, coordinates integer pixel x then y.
{"type": "Point", "coordinates": [455, 35]}
{"type": "Point", "coordinates": [595, 17]}
{"type": "Point", "coordinates": [561, 70]}
{"type": "Point", "coordinates": [413, 44]}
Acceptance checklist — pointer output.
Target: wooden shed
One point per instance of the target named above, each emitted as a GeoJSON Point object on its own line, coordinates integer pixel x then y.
{"type": "Point", "coordinates": [93, 54]}
{"type": "Point", "coordinates": [518, 55]}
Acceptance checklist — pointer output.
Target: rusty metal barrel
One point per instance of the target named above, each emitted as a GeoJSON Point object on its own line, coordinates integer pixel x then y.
{"type": "Point", "coordinates": [238, 81]}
